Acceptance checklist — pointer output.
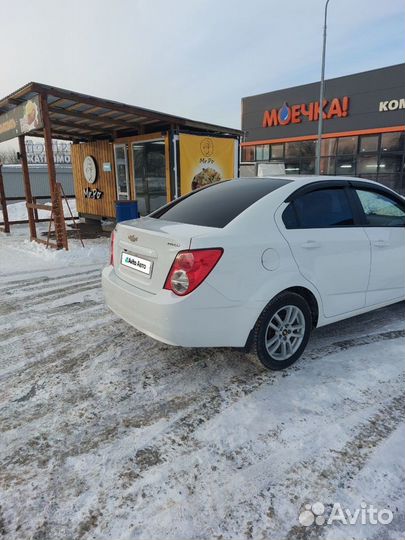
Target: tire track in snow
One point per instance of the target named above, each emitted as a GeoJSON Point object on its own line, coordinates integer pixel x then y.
{"type": "Point", "coordinates": [192, 356]}
{"type": "Point", "coordinates": [60, 365]}
{"type": "Point", "coordinates": [42, 355]}
{"type": "Point", "coordinates": [157, 394]}
{"type": "Point", "coordinates": [35, 338]}
{"type": "Point", "coordinates": [14, 308]}
{"type": "Point", "coordinates": [32, 283]}
{"type": "Point", "coordinates": [198, 409]}
{"type": "Point", "coordinates": [21, 303]}
{"type": "Point", "coordinates": [351, 458]}
{"type": "Point", "coordinates": [24, 295]}
{"type": "Point", "coordinates": [163, 456]}
{"type": "Point", "coordinates": [210, 404]}
{"type": "Point", "coordinates": [319, 475]}
{"type": "Point", "coordinates": [345, 344]}
{"type": "Point", "coordinates": [51, 291]}
{"type": "Point", "coordinates": [178, 439]}
{"type": "Point", "coordinates": [206, 409]}
{"type": "Point", "coordinates": [18, 328]}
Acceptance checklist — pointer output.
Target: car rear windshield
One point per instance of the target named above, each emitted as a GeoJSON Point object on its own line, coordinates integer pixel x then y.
{"type": "Point", "coordinates": [218, 204]}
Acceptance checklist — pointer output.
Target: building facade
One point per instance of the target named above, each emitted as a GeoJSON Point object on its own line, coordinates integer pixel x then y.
{"type": "Point", "coordinates": [14, 182]}
{"type": "Point", "coordinates": [363, 127]}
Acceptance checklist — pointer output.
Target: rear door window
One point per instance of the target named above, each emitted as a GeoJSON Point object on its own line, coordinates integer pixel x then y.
{"type": "Point", "coordinates": [218, 204]}
{"type": "Point", "coordinates": [320, 209]}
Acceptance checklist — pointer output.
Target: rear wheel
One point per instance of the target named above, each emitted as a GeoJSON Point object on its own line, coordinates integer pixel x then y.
{"type": "Point", "coordinates": [282, 331]}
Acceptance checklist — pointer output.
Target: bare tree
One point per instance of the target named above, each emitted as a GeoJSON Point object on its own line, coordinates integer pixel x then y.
{"type": "Point", "coordinates": [9, 156]}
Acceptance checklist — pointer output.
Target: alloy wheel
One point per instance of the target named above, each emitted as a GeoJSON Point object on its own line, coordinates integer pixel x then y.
{"type": "Point", "coordinates": [285, 332]}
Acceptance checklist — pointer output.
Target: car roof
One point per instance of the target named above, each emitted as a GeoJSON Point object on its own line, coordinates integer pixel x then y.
{"type": "Point", "coordinates": [300, 180]}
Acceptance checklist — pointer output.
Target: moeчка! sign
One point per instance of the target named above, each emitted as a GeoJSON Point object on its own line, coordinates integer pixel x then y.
{"type": "Point", "coordinates": [295, 114]}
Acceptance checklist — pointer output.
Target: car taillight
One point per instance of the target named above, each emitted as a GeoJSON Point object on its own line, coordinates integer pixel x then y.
{"type": "Point", "coordinates": [190, 268]}
{"type": "Point", "coordinates": [112, 249]}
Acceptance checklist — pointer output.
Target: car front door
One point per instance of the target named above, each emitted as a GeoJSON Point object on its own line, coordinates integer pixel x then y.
{"type": "Point", "coordinates": [384, 224]}
{"type": "Point", "coordinates": [331, 251]}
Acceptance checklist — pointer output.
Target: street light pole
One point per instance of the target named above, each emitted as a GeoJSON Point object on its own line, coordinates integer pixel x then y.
{"type": "Point", "coordinates": [321, 94]}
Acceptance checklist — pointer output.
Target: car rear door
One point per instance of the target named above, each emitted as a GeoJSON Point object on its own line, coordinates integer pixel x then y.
{"type": "Point", "coordinates": [384, 223]}
{"type": "Point", "coordinates": [331, 250]}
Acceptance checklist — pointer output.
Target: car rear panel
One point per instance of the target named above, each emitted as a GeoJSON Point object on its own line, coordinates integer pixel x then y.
{"type": "Point", "coordinates": [153, 240]}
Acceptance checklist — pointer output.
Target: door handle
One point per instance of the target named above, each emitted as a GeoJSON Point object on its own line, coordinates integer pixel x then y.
{"type": "Point", "coordinates": [311, 244]}
{"type": "Point", "coordinates": [381, 243]}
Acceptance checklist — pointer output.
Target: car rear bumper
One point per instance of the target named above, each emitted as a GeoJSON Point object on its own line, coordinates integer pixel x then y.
{"type": "Point", "coordinates": [204, 318]}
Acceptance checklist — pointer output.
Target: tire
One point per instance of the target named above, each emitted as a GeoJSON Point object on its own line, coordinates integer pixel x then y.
{"type": "Point", "coordinates": [282, 331]}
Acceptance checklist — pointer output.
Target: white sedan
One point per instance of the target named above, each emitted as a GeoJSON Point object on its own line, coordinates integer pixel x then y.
{"type": "Point", "coordinates": [258, 263]}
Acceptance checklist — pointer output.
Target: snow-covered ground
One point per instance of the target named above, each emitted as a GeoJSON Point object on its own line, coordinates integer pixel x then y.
{"type": "Point", "coordinates": [107, 434]}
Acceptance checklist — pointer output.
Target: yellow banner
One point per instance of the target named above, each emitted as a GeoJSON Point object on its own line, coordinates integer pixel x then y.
{"type": "Point", "coordinates": [205, 160]}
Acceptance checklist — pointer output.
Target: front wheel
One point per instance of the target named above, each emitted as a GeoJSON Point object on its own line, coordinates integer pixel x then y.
{"type": "Point", "coordinates": [282, 331]}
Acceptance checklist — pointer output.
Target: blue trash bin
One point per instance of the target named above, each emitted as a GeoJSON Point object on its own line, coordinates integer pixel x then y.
{"type": "Point", "coordinates": [126, 210]}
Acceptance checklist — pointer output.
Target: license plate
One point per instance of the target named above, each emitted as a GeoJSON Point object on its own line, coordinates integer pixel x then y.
{"type": "Point", "coordinates": [142, 265]}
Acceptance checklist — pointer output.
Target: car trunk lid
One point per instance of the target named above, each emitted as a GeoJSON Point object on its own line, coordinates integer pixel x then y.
{"type": "Point", "coordinates": [145, 248]}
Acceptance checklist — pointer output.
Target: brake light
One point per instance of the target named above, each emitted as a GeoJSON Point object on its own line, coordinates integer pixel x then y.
{"type": "Point", "coordinates": [190, 268]}
{"type": "Point", "coordinates": [112, 249]}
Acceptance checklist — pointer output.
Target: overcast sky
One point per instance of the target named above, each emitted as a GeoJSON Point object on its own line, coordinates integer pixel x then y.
{"type": "Point", "coordinates": [193, 58]}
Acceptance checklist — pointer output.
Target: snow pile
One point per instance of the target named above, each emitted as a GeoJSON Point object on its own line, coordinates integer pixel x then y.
{"type": "Point", "coordinates": [18, 211]}
{"type": "Point", "coordinates": [93, 252]}
{"type": "Point", "coordinates": [18, 252]}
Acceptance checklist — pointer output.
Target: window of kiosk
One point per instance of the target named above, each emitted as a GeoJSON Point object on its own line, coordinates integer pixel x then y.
{"type": "Point", "coordinates": [121, 171]}
{"type": "Point", "coordinates": [150, 175]}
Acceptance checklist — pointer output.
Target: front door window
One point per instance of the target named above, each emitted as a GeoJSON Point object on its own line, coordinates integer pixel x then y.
{"type": "Point", "coordinates": [150, 175]}
{"type": "Point", "coordinates": [384, 225]}
{"type": "Point", "coordinates": [380, 210]}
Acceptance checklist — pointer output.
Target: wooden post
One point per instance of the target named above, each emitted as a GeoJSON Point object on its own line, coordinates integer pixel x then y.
{"type": "Point", "coordinates": [36, 216]}
{"type": "Point", "coordinates": [57, 208]}
{"type": "Point", "coordinates": [27, 187]}
{"type": "Point", "coordinates": [3, 203]}
{"type": "Point", "coordinates": [75, 225]}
